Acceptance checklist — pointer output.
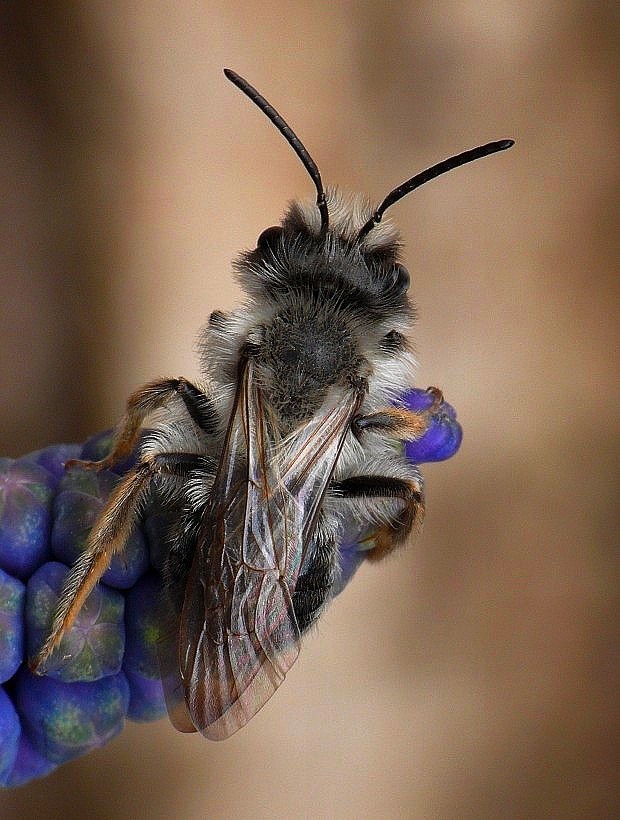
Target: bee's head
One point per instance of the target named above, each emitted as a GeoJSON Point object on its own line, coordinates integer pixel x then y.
{"type": "Point", "coordinates": [336, 248]}
{"type": "Point", "coordinates": [296, 260]}
{"type": "Point", "coordinates": [329, 294]}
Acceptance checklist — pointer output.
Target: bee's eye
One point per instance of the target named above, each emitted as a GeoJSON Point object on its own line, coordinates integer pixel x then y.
{"type": "Point", "coordinates": [269, 238]}
{"type": "Point", "coordinates": [217, 319]}
{"type": "Point", "coordinates": [392, 342]}
{"type": "Point", "coordinates": [402, 279]}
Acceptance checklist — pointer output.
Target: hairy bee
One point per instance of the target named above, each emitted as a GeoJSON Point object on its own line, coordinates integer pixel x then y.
{"type": "Point", "coordinates": [288, 447]}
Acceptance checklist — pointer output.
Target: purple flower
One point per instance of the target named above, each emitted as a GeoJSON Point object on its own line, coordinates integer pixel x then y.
{"type": "Point", "coordinates": [105, 669]}
{"type": "Point", "coordinates": [444, 434]}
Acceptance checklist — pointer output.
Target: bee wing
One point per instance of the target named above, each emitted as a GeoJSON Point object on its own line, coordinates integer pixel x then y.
{"type": "Point", "coordinates": [238, 635]}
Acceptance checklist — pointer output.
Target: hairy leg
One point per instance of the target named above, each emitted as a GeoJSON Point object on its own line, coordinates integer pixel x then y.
{"type": "Point", "coordinates": [394, 530]}
{"type": "Point", "coordinates": [145, 401]}
{"type": "Point", "coordinates": [109, 535]}
{"type": "Point", "coordinates": [317, 578]}
{"type": "Point", "coordinates": [398, 422]}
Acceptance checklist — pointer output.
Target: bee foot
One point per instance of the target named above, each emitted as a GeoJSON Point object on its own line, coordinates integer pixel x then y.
{"type": "Point", "coordinates": [437, 395]}
{"type": "Point", "coordinates": [95, 466]}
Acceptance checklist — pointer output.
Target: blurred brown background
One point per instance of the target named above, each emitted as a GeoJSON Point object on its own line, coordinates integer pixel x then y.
{"type": "Point", "coordinates": [476, 674]}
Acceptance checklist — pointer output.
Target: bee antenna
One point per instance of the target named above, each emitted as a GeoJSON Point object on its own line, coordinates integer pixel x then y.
{"type": "Point", "coordinates": [290, 136]}
{"type": "Point", "coordinates": [430, 173]}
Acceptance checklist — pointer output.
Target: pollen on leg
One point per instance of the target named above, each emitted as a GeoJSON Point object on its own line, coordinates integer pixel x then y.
{"type": "Point", "coordinates": [396, 421]}
{"type": "Point", "coordinates": [408, 523]}
{"type": "Point", "coordinates": [384, 543]}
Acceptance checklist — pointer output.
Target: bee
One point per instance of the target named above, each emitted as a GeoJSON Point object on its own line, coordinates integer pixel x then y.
{"type": "Point", "coordinates": [289, 446]}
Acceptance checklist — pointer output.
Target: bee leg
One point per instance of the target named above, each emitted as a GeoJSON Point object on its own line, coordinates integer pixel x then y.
{"type": "Point", "coordinates": [144, 402]}
{"type": "Point", "coordinates": [183, 537]}
{"type": "Point", "coordinates": [313, 585]}
{"type": "Point", "coordinates": [393, 532]}
{"type": "Point", "coordinates": [108, 536]}
{"type": "Point", "coordinates": [398, 422]}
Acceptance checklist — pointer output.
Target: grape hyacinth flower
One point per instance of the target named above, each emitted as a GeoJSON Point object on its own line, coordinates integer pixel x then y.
{"type": "Point", "coordinates": [106, 667]}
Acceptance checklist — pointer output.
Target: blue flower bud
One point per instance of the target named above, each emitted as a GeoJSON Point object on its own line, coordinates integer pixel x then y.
{"type": "Point", "coordinates": [26, 495]}
{"type": "Point", "coordinates": [443, 437]}
{"type": "Point", "coordinates": [10, 733]}
{"type": "Point", "coordinates": [65, 720]}
{"type": "Point", "coordinates": [93, 648]}
{"type": "Point", "coordinates": [12, 597]}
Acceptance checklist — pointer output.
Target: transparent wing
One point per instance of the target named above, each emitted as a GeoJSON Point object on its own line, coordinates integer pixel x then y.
{"type": "Point", "coordinates": [238, 635]}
